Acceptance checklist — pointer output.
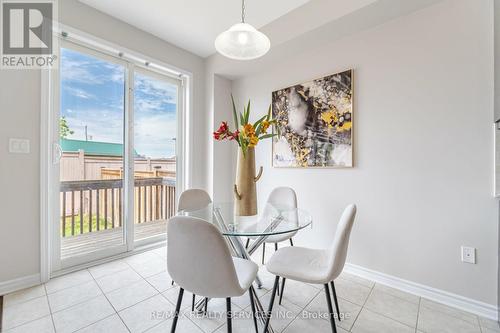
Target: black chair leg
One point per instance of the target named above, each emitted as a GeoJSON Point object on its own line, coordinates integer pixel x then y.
{"type": "Point", "coordinates": [229, 315]}
{"type": "Point", "coordinates": [248, 243]}
{"type": "Point", "coordinates": [251, 292]}
{"type": "Point", "coordinates": [335, 299]}
{"type": "Point", "coordinates": [172, 282]}
{"type": "Point", "coordinates": [291, 242]}
{"type": "Point", "coordinates": [330, 308]}
{"type": "Point", "coordinates": [275, 247]}
{"type": "Point", "coordinates": [263, 252]}
{"type": "Point", "coordinates": [206, 305]}
{"type": "Point", "coordinates": [177, 309]}
{"type": "Point", "coordinates": [192, 302]}
{"type": "Point", "coordinates": [282, 289]}
{"type": "Point", "coordinates": [270, 309]}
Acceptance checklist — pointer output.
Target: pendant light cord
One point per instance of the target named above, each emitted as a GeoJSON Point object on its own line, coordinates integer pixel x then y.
{"type": "Point", "coordinates": [242, 11]}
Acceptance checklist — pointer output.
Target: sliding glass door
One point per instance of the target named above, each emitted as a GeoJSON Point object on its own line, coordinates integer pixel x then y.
{"type": "Point", "coordinates": [117, 155]}
{"type": "Point", "coordinates": [155, 136]}
{"type": "Point", "coordinates": [91, 129]}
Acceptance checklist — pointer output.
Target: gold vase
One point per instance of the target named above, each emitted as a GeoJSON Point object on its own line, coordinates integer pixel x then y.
{"type": "Point", "coordinates": [245, 190]}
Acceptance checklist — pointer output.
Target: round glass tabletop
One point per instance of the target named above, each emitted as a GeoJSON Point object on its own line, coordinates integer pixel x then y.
{"type": "Point", "coordinates": [271, 220]}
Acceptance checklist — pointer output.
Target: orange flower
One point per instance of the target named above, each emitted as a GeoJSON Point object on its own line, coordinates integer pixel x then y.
{"type": "Point", "coordinates": [248, 130]}
{"type": "Point", "coordinates": [253, 141]}
{"type": "Point", "coordinates": [265, 126]}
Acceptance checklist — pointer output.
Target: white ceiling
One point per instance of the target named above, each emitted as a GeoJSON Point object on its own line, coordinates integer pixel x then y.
{"type": "Point", "coordinates": [193, 24]}
{"type": "Point", "coordinates": [317, 23]}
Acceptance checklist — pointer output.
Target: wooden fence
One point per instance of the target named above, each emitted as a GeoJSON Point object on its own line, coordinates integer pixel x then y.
{"type": "Point", "coordinates": [80, 166]}
{"type": "Point", "coordinates": [84, 201]}
{"type": "Point", "coordinates": [111, 173]}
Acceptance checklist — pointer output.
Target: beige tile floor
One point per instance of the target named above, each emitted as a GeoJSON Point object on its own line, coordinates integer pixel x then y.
{"type": "Point", "coordinates": [121, 296]}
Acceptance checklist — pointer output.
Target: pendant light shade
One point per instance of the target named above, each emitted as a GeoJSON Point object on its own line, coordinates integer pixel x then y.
{"type": "Point", "coordinates": [242, 41]}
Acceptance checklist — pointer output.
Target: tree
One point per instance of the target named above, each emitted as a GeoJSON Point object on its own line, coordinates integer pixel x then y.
{"type": "Point", "coordinates": [64, 129]}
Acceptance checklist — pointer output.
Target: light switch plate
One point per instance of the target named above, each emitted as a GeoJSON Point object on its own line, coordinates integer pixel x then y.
{"type": "Point", "coordinates": [468, 254]}
{"type": "Point", "coordinates": [19, 146]}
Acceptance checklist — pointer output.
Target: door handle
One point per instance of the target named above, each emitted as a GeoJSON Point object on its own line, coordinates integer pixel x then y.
{"type": "Point", "coordinates": [56, 153]}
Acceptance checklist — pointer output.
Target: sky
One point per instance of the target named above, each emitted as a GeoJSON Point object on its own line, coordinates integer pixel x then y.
{"type": "Point", "coordinates": [92, 95]}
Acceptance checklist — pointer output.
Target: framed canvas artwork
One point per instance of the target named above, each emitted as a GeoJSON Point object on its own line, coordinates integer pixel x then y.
{"type": "Point", "coordinates": [314, 123]}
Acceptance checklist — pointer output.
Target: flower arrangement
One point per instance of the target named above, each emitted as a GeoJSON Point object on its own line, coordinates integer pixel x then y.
{"type": "Point", "coordinates": [246, 134]}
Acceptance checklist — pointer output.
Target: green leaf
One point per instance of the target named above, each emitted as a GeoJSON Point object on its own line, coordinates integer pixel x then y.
{"type": "Point", "coordinates": [267, 136]}
{"type": "Point", "coordinates": [269, 113]}
{"type": "Point", "coordinates": [247, 115]}
{"type": "Point", "coordinates": [235, 114]}
{"type": "Point", "coordinates": [258, 126]}
{"type": "Point", "coordinates": [242, 119]}
{"type": "Point", "coordinates": [259, 121]}
{"type": "Point", "coordinates": [243, 144]}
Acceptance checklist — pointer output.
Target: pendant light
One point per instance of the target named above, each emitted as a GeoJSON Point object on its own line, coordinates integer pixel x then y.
{"type": "Point", "coordinates": [242, 41]}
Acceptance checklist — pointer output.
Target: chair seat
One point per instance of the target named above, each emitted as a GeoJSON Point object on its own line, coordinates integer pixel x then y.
{"type": "Point", "coordinates": [300, 264]}
{"type": "Point", "coordinates": [246, 271]}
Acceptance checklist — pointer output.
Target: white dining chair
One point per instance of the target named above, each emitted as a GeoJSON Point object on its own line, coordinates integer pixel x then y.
{"type": "Point", "coordinates": [285, 198]}
{"type": "Point", "coordinates": [199, 261]}
{"type": "Point", "coordinates": [193, 199]}
{"type": "Point", "coordinates": [190, 200]}
{"type": "Point", "coordinates": [314, 266]}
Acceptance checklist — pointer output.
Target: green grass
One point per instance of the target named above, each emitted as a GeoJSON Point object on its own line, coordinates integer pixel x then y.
{"type": "Point", "coordinates": [86, 224]}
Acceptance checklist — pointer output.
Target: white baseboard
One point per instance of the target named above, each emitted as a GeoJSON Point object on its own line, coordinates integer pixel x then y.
{"type": "Point", "coordinates": [437, 295]}
{"type": "Point", "coordinates": [10, 286]}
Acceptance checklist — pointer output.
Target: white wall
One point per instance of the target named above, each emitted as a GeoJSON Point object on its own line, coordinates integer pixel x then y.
{"type": "Point", "coordinates": [224, 164]}
{"type": "Point", "coordinates": [497, 55]}
{"type": "Point", "coordinates": [19, 175]}
{"type": "Point", "coordinates": [20, 110]}
{"type": "Point", "coordinates": [423, 143]}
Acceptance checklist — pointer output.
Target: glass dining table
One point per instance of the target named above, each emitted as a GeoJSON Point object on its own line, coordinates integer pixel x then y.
{"type": "Point", "coordinates": [271, 220]}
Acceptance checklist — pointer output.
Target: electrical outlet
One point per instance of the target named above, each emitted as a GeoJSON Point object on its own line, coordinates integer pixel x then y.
{"type": "Point", "coordinates": [469, 254]}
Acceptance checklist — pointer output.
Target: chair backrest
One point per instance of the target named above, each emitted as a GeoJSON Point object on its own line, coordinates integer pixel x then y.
{"type": "Point", "coordinates": [198, 259]}
{"type": "Point", "coordinates": [193, 199]}
{"type": "Point", "coordinates": [338, 251]}
{"type": "Point", "coordinates": [283, 197]}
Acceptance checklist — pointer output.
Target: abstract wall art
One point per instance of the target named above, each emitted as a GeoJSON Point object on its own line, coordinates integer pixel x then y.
{"type": "Point", "coordinates": [314, 123]}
